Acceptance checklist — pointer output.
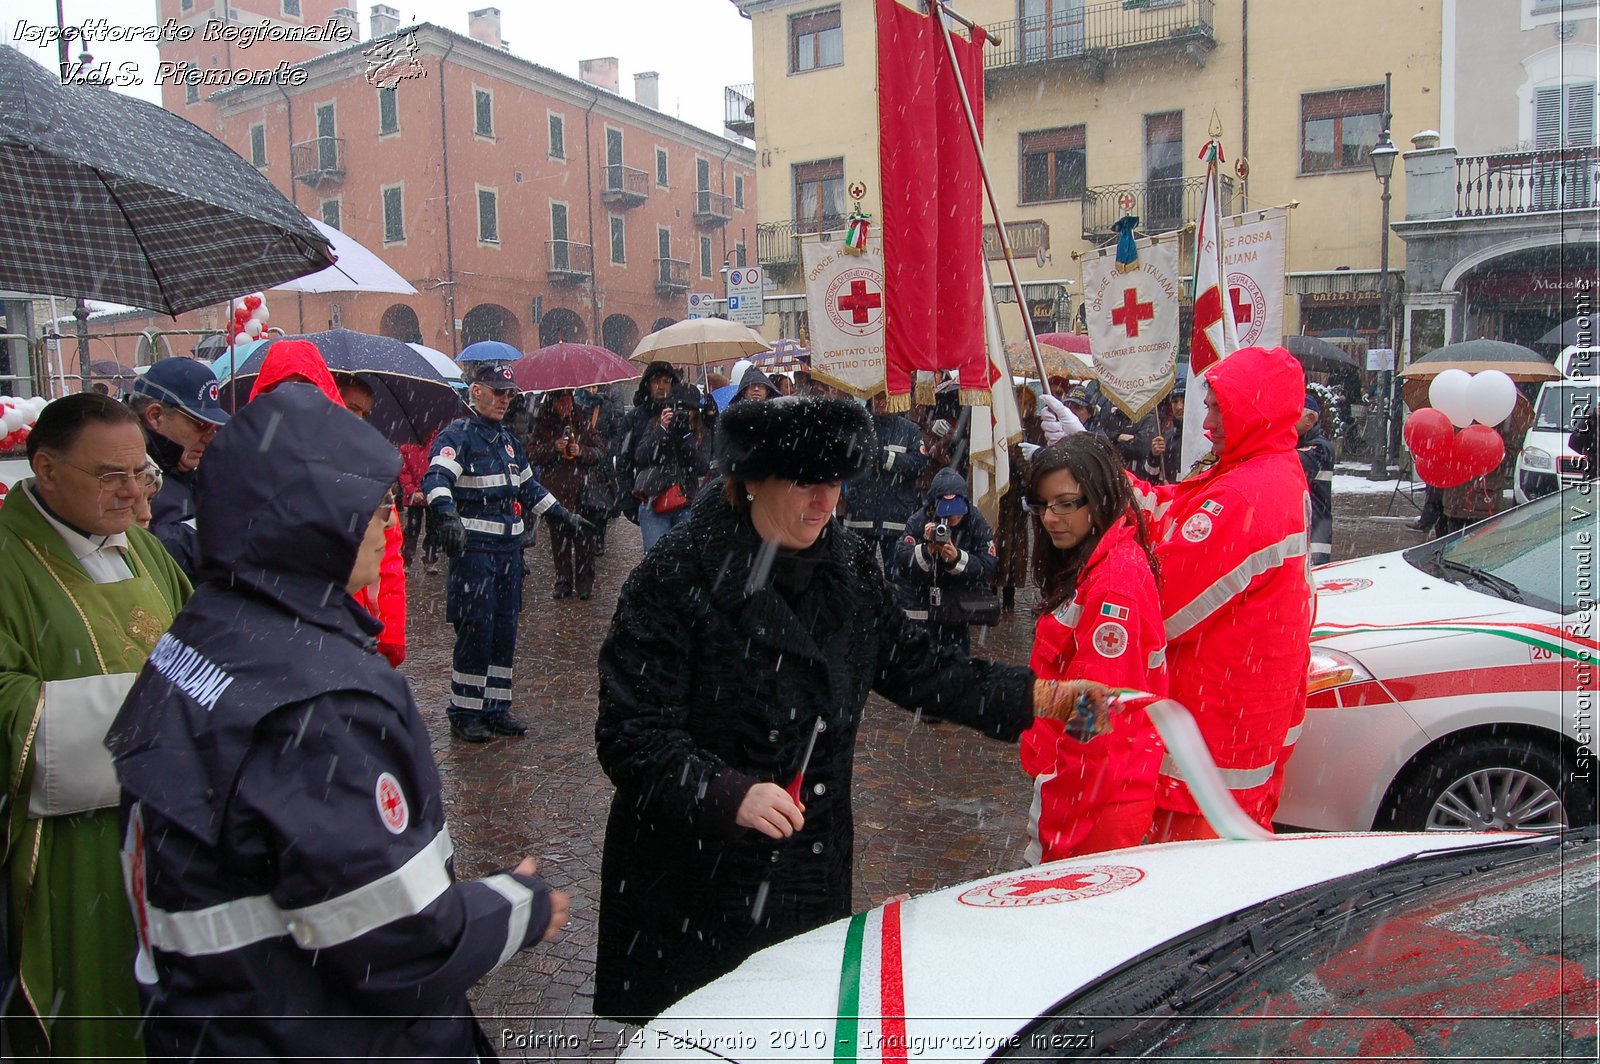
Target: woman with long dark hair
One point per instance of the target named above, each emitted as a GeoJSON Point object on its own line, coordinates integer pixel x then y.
{"type": "Point", "coordinates": [1101, 622]}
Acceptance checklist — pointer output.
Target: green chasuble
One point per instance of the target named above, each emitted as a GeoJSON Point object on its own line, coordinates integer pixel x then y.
{"type": "Point", "coordinates": [68, 649]}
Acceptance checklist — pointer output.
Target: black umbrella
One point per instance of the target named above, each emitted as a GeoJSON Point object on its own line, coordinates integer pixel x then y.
{"type": "Point", "coordinates": [410, 399]}
{"type": "Point", "coordinates": [103, 196]}
{"type": "Point", "coordinates": [1312, 351]}
{"type": "Point", "coordinates": [113, 373]}
{"type": "Point", "coordinates": [1475, 356]}
{"type": "Point", "coordinates": [1579, 330]}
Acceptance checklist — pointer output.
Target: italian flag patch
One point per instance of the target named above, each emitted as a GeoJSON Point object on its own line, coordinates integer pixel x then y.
{"type": "Point", "coordinates": [1111, 609]}
{"type": "Point", "coordinates": [1212, 507]}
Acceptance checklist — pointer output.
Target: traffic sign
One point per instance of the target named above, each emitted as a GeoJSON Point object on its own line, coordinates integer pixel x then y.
{"type": "Point", "coordinates": [702, 304]}
{"type": "Point", "coordinates": [745, 286]}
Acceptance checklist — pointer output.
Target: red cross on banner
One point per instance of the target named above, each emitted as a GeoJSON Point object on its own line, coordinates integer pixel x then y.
{"type": "Point", "coordinates": [1243, 312]}
{"type": "Point", "coordinates": [860, 301]}
{"type": "Point", "coordinates": [1132, 312]}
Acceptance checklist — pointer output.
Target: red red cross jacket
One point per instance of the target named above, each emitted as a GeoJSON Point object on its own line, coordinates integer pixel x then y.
{"type": "Point", "coordinates": [1111, 632]}
{"type": "Point", "coordinates": [1235, 588]}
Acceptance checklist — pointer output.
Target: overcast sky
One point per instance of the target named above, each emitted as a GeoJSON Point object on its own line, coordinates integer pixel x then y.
{"type": "Point", "coordinates": [697, 46]}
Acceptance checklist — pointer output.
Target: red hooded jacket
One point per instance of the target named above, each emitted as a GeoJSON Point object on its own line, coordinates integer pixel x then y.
{"type": "Point", "coordinates": [1111, 632]}
{"type": "Point", "coordinates": [300, 359]}
{"type": "Point", "coordinates": [1236, 590]}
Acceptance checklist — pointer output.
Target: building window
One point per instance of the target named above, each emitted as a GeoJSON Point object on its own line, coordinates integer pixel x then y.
{"type": "Point", "coordinates": [816, 40]}
{"type": "Point", "coordinates": [388, 112]}
{"type": "Point", "coordinates": [738, 191]}
{"type": "Point", "coordinates": [258, 145]}
{"type": "Point", "coordinates": [738, 254]}
{"type": "Point", "coordinates": [1338, 129]}
{"type": "Point", "coordinates": [663, 242]}
{"type": "Point", "coordinates": [191, 88]}
{"type": "Point", "coordinates": [187, 5]}
{"type": "Point", "coordinates": [483, 112]}
{"type": "Point", "coordinates": [819, 196]}
{"type": "Point", "coordinates": [330, 213]}
{"type": "Point", "coordinates": [661, 167]}
{"type": "Point", "coordinates": [705, 256]}
{"type": "Point", "coordinates": [1563, 116]}
{"type": "Point", "coordinates": [558, 137]}
{"type": "Point", "coordinates": [1054, 164]}
{"type": "Point", "coordinates": [488, 216]}
{"type": "Point", "coordinates": [291, 8]}
{"type": "Point", "coordinates": [394, 218]}
{"type": "Point", "coordinates": [619, 243]}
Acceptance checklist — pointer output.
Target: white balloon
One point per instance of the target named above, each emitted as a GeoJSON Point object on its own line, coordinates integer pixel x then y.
{"type": "Point", "coordinates": [1491, 396]}
{"type": "Point", "coordinates": [252, 328]}
{"type": "Point", "coordinates": [1448, 395]}
{"type": "Point", "coordinates": [10, 421]}
{"type": "Point", "coordinates": [261, 314]}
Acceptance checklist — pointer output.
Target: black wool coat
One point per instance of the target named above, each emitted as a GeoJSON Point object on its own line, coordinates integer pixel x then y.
{"type": "Point", "coordinates": [712, 680]}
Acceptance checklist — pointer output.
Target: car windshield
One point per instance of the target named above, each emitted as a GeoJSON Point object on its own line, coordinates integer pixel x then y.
{"type": "Point", "coordinates": [1486, 954]}
{"type": "Point", "coordinates": [1540, 554]}
{"type": "Point", "coordinates": [1558, 406]}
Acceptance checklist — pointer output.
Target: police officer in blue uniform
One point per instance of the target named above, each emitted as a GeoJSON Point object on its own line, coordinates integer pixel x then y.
{"type": "Point", "coordinates": [285, 844]}
{"type": "Point", "coordinates": [485, 502]}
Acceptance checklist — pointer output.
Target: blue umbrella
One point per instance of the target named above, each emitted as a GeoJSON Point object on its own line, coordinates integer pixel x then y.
{"type": "Point", "coordinates": [723, 396]}
{"type": "Point", "coordinates": [489, 351]}
{"type": "Point", "coordinates": [223, 365]}
{"type": "Point", "coordinates": [410, 399]}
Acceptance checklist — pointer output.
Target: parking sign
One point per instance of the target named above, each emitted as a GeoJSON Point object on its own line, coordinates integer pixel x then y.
{"type": "Point", "coordinates": [745, 295]}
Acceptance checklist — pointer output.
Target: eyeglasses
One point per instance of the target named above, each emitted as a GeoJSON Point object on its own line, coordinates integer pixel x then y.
{"type": "Point", "coordinates": [205, 428]}
{"type": "Point", "coordinates": [1060, 507]}
{"type": "Point", "coordinates": [111, 483]}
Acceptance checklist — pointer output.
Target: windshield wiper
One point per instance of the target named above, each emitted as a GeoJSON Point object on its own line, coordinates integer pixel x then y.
{"type": "Point", "coordinates": [1505, 588]}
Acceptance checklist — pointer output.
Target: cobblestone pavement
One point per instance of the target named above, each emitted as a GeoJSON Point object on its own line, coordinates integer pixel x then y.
{"type": "Point", "coordinates": [935, 804]}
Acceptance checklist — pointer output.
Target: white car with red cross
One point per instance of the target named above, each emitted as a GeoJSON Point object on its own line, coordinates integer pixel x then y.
{"type": "Point", "coordinates": [1453, 684]}
{"type": "Point", "coordinates": [1303, 947]}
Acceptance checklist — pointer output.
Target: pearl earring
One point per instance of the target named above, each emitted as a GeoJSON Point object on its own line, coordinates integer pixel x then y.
{"type": "Point", "coordinates": [748, 497]}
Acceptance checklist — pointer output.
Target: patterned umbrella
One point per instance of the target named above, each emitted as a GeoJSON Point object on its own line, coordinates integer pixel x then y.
{"type": "Point", "coordinates": [1060, 362]}
{"type": "Point", "coordinates": [104, 196]}
{"type": "Point", "coordinates": [562, 366]}
{"type": "Point", "coordinates": [786, 356]}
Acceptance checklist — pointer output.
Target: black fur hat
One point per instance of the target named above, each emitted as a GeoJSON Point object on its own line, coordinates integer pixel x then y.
{"type": "Point", "coordinates": [799, 438]}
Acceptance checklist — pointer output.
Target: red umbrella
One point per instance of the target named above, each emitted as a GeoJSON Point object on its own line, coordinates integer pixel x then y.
{"type": "Point", "coordinates": [562, 366]}
{"type": "Point", "coordinates": [1077, 343]}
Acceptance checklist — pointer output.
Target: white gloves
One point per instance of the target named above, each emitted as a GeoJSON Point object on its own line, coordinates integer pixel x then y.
{"type": "Point", "coordinates": [1056, 420]}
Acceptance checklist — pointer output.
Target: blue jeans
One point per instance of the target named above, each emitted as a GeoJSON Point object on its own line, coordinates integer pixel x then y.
{"type": "Point", "coordinates": [654, 525]}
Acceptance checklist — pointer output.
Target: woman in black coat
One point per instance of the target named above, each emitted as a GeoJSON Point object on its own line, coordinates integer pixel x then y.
{"type": "Point", "coordinates": [756, 625]}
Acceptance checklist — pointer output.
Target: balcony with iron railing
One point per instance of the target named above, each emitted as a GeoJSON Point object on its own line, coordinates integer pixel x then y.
{"type": "Point", "coordinates": [1159, 205]}
{"type": "Point", "coordinates": [570, 261]}
{"type": "Point", "coordinates": [739, 109]}
{"type": "Point", "coordinates": [672, 276]}
{"type": "Point", "coordinates": [1090, 36]}
{"type": "Point", "coordinates": [625, 186]}
{"type": "Point", "coordinates": [319, 161]}
{"type": "Point", "coordinates": [712, 208]}
{"type": "Point", "coordinates": [778, 243]}
{"type": "Point", "coordinates": [1527, 182]}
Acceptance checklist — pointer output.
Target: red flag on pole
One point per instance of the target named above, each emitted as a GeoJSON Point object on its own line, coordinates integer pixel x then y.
{"type": "Point", "coordinates": [932, 191]}
{"type": "Point", "coordinates": [1214, 335]}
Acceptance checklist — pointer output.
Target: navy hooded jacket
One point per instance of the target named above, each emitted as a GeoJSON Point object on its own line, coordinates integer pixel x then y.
{"type": "Point", "coordinates": [285, 845]}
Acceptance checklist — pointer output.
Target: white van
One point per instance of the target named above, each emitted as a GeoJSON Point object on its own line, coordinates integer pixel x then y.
{"type": "Point", "coordinates": [1546, 462]}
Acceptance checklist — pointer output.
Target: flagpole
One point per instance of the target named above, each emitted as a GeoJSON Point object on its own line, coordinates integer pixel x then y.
{"type": "Point", "coordinates": [935, 7]}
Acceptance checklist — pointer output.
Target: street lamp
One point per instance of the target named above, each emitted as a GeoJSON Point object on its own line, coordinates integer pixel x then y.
{"type": "Point", "coordinates": [1383, 157]}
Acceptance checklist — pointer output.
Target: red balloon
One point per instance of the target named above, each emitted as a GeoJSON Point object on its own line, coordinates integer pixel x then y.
{"type": "Point", "coordinates": [1429, 434]}
{"type": "Point", "coordinates": [1479, 450]}
{"type": "Point", "coordinates": [250, 304]}
{"type": "Point", "coordinates": [1441, 471]}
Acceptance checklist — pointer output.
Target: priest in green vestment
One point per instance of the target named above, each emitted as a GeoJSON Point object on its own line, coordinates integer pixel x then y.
{"type": "Point", "coordinates": [84, 595]}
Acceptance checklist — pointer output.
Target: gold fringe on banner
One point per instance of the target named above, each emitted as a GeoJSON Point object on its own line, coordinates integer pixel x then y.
{"type": "Point", "coordinates": [898, 404]}
{"type": "Point", "coordinates": [976, 397]}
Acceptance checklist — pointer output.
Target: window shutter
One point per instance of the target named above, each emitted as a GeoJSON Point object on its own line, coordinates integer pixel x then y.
{"type": "Point", "coordinates": [1547, 118]}
{"type": "Point", "coordinates": [1063, 139]}
{"type": "Point", "coordinates": [1367, 100]}
{"type": "Point", "coordinates": [1580, 115]}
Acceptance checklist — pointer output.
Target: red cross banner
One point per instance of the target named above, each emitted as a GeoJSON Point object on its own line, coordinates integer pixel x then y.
{"type": "Point", "coordinates": [1214, 334]}
{"type": "Point", "coordinates": [845, 306]}
{"type": "Point", "coordinates": [1133, 323]}
{"type": "Point", "coordinates": [932, 196]}
{"type": "Point", "coordinates": [1254, 251]}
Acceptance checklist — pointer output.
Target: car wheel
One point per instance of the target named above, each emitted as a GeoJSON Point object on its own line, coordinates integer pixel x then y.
{"type": "Point", "coordinates": [1489, 785]}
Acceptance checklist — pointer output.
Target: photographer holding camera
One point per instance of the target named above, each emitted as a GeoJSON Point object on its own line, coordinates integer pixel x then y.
{"type": "Point", "coordinates": [944, 563]}
{"type": "Point", "coordinates": [669, 458]}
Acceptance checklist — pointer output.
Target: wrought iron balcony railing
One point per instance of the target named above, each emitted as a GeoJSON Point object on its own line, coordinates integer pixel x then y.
{"type": "Point", "coordinates": [672, 276]}
{"type": "Point", "coordinates": [778, 244]}
{"type": "Point", "coordinates": [318, 161]}
{"type": "Point", "coordinates": [712, 208]}
{"type": "Point", "coordinates": [1097, 29]}
{"type": "Point", "coordinates": [1524, 182]}
{"type": "Point", "coordinates": [739, 109]}
{"type": "Point", "coordinates": [570, 261]}
{"type": "Point", "coordinates": [625, 185]}
{"type": "Point", "coordinates": [1159, 205]}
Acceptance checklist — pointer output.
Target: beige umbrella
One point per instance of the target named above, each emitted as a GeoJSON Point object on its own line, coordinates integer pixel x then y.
{"type": "Point", "coordinates": [699, 342]}
{"type": "Point", "coordinates": [1059, 361]}
{"type": "Point", "coordinates": [1475, 356]}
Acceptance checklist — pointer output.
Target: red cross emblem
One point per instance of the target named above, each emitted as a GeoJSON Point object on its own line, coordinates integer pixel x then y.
{"type": "Point", "coordinates": [1132, 312]}
{"type": "Point", "coordinates": [1343, 586]}
{"type": "Point", "coordinates": [392, 808]}
{"type": "Point", "coordinates": [860, 301]}
{"type": "Point", "coordinates": [1040, 888]}
{"type": "Point", "coordinates": [1028, 888]}
{"type": "Point", "coordinates": [1243, 313]}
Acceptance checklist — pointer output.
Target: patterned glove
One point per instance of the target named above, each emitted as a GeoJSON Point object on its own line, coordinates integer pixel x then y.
{"type": "Point", "coordinates": [1083, 706]}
